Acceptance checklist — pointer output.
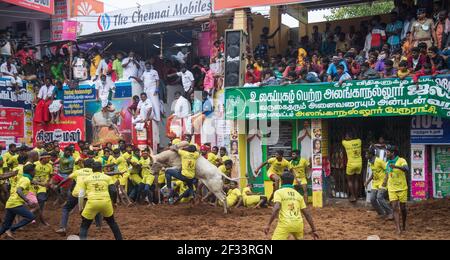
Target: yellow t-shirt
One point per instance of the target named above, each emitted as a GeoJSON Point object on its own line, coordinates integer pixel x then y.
{"type": "Point", "coordinates": [212, 158]}
{"type": "Point", "coordinates": [188, 163]}
{"type": "Point", "coordinates": [10, 161]}
{"type": "Point", "coordinates": [96, 186]}
{"type": "Point", "coordinates": [121, 162]}
{"type": "Point", "coordinates": [402, 74]}
{"type": "Point", "coordinates": [14, 180]}
{"type": "Point", "coordinates": [42, 175]}
{"type": "Point", "coordinates": [147, 176]}
{"type": "Point", "coordinates": [225, 158]}
{"type": "Point", "coordinates": [224, 170]}
{"type": "Point", "coordinates": [353, 149]}
{"type": "Point", "coordinates": [126, 156]}
{"type": "Point", "coordinates": [300, 168]}
{"type": "Point", "coordinates": [78, 176]}
{"type": "Point", "coordinates": [250, 200]}
{"type": "Point", "coordinates": [14, 199]}
{"type": "Point", "coordinates": [176, 141]}
{"type": "Point", "coordinates": [233, 196]}
{"type": "Point", "coordinates": [39, 150]}
{"type": "Point", "coordinates": [277, 167]}
{"type": "Point", "coordinates": [94, 65]}
{"type": "Point", "coordinates": [134, 175]}
{"type": "Point", "coordinates": [397, 178]}
{"type": "Point", "coordinates": [379, 172]}
{"type": "Point", "coordinates": [161, 177]}
{"type": "Point", "coordinates": [291, 205]}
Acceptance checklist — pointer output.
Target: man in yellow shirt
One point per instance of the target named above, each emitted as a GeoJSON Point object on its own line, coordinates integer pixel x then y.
{"type": "Point", "coordinates": [43, 172]}
{"type": "Point", "coordinates": [277, 167]}
{"type": "Point", "coordinates": [17, 202]}
{"type": "Point", "coordinates": [300, 166]}
{"type": "Point", "coordinates": [148, 178]}
{"type": "Point", "coordinates": [378, 192]}
{"type": "Point", "coordinates": [289, 207]}
{"type": "Point", "coordinates": [223, 155]}
{"type": "Point", "coordinates": [234, 195]}
{"type": "Point", "coordinates": [249, 199]}
{"type": "Point", "coordinates": [77, 176]}
{"type": "Point", "coordinates": [10, 158]}
{"type": "Point", "coordinates": [189, 156]}
{"type": "Point", "coordinates": [97, 188]}
{"type": "Point", "coordinates": [353, 149]}
{"type": "Point", "coordinates": [396, 170]}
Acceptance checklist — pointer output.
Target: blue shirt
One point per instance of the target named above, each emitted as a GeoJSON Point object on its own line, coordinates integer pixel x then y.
{"type": "Point", "coordinates": [332, 69]}
{"type": "Point", "coordinates": [59, 94]}
{"type": "Point", "coordinates": [394, 40]}
{"type": "Point", "coordinates": [207, 107]}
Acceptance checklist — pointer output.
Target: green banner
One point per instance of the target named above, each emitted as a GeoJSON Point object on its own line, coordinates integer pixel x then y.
{"type": "Point", "coordinates": [441, 173]}
{"type": "Point", "coordinates": [368, 98]}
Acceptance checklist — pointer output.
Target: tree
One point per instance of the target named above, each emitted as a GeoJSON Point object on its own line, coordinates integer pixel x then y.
{"type": "Point", "coordinates": [360, 10]}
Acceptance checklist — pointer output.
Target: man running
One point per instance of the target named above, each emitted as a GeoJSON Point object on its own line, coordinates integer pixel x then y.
{"type": "Point", "coordinates": [277, 166]}
{"type": "Point", "coordinates": [15, 206]}
{"type": "Point", "coordinates": [354, 165]}
{"type": "Point", "coordinates": [300, 166]}
{"type": "Point", "coordinates": [289, 207]}
{"type": "Point", "coordinates": [98, 188]}
{"type": "Point", "coordinates": [396, 171]}
{"type": "Point", "coordinates": [43, 172]}
{"type": "Point", "coordinates": [378, 192]}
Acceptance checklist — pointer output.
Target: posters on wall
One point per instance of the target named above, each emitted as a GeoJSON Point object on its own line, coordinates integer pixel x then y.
{"type": "Point", "coordinates": [12, 122]}
{"type": "Point", "coordinates": [441, 171]}
{"type": "Point", "coordinates": [418, 172]}
{"type": "Point", "coordinates": [368, 98]}
{"type": "Point", "coordinates": [74, 99]}
{"type": "Point", "coordinates": [316, 176]}
{"type": "Point", "coordinates": [110, 126]}
{"type": "Point", "coordinates": [9, 97]}
{"type": "Point", "coordinates": [69, 131]}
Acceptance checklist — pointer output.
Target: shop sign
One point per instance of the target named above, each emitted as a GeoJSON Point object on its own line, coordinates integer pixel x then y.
{"type": "Point", "coordinates": [12, 122]}
{"type": "Point", "coordinates": [234, 4]}
{"type": "Point", "coordinates": [68, 131]}
{"type": "Point", "coordinates": [430, 130]}
{"type": "Point", "coordinates": [44, 6]}
{"type": "Point", "coordinates": [165, 11]}
{"type": "Point", "coordinates": [10, 98]}
{"type": "Point", "coordinates": [369, 98]}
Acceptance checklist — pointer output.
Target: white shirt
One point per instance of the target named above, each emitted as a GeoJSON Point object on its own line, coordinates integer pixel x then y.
{"type": "Point", "coordinates": [46, 92]}
{"type": "Point", "coordinates": [104, 88]}
{"type": "Point", "coordinates": [145, 107]}
{"type": "Point", "coordinates": [182, 108]}
{"type": "Point", "coordinates": [130, 70]}
{"type": "Point", "coordinates": [181, 57]}
{"type": "Point", "coordinates": [186, 79]}
{"type": "Point", "coordinates": [150, 78]}
{"type": "Point", "coordinates": [102, 68]}
{"type": "Point", "coordinates": [6, 49]}
{"type": "Point", "coordinates": [141, 68]}
{"type": "Point", "coordinates": [4, 70]}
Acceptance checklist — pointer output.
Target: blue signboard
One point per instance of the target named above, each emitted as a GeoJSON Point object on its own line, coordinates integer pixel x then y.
{"type": "Point", "coordinates": [9, 98]}
{"type": "Point", "coordinates": [74, 99]}
{"type": "Point", "coordinates": [123, 89]}
{"type": "Point", "coordinates": [430, 130]}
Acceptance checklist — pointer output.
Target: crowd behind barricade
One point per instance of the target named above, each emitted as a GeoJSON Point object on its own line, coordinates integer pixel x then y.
{"type": "Point", "coordinates": [413, 43]}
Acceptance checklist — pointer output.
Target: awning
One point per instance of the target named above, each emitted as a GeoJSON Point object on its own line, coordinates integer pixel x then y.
{"type": "Point", "coordinates": [370, 98]}
{"type": "Point", "coordinates": [140, 17]}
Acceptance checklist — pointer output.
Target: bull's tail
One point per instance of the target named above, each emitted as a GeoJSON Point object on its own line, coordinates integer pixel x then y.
{"type": "Point", "coordinates": [231, 179]}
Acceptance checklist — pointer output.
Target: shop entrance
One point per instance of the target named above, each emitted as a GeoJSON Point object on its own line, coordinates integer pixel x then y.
{"type": "Point", "coordinates": [395, 130]}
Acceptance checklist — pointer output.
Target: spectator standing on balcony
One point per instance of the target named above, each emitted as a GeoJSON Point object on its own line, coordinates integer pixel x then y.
{"type": "Point", "coordinates": [329, 46]}
{"type": "Point", "coordinates": [57, 104]}
{"type": "Point", "coordinates": [79, 65]}
{"type": "Point", "coordinates": [44, 99]}
{"type": "Point", "coordinates": [422, 30]}
{"type": "Point", "coordinates": [57, 71]}
{"type": "Point", "coordinates": [316, 37]}
{"type": "Point", "coordinates": [6, 47]}
{"type": "Point", "coordinates": [407, 24]}
{"type": "Point", "coordinates": [131, 67]}
{"type": "Point", "coordinates": [378, 34]}
{"type": "Point", "coordinates": [105, 90]}
{"type": "Point", "coordinates": [117, 66]}
{"type": "Point", "coordinates": [393, 31]}
{"type": "Point", "coordinates": [150, 80]}
{"type": "Point", "coordinates": [95, 61]}
{"type": "Point", "coordinates": [29, 70]}
{"type": "Point", "coordinates": [187, 80]}
{"type": "Point", "coordinates": [9, 70]}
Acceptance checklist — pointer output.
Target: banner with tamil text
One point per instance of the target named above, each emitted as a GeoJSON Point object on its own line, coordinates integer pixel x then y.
{"type": "Point", "coordinates": [369, 98]}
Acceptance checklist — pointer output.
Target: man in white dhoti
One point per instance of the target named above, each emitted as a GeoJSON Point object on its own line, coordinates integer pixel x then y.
{"type": "Point", "coordinates": [143, 113]}
{"type": "Point", "coordinates": [105, 89]}
{"type": "Point", "coordinates": [304, 139]}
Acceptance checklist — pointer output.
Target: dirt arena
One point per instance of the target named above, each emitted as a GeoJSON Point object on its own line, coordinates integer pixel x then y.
{"type": "Point", "coordinates": [427, 220]}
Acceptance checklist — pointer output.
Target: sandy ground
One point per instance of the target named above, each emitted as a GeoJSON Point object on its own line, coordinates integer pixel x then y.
{"type": "Point", "coordinates": [426, 220]}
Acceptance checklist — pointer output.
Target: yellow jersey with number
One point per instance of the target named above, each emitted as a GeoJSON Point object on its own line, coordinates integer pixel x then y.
{"type": "Point", "coordinates": [291, 205]}
{"type": "Point", "coordinates": [379, 172]}
{"type": "Point", "coordinates": [188, 163]}
{"type": "Point", "coordinates": [397, 178]}
{"type": "Point", "coordinates": [78, 176]}
{"type": "Point", "coordinates": [353, 149]}
{"type": "Point", "coordinates": [96, 186]}
{"type": "Point", "coordinates": [43, 172]}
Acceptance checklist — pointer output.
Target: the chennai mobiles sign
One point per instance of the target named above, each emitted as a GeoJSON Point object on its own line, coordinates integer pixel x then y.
{"type": "Point", "coordinates": [166, 11]}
